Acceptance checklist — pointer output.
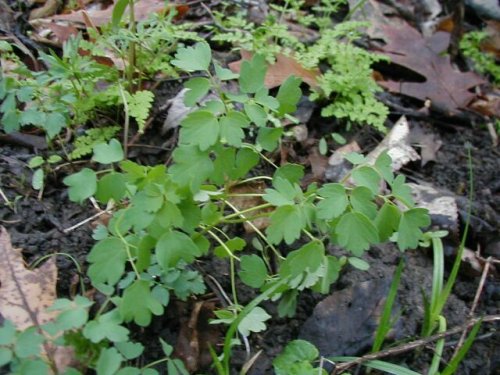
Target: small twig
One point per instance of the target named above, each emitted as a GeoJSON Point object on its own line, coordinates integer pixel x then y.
{"type": "Point", "coordinates": [108, 210]}
{"type": "Point", "coordinates": [413, 345]}
{"type": "Point", "coordinates": [474, 303]}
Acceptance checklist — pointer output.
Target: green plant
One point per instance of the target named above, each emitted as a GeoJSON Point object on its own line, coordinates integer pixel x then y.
{"type": "Point", "coordinates": [348, 81]}
{"type": "Point", "coordinates": [484, 62]}
{"type": "Point", "coordinates": [167, 218]}
{"type": "Point", "coordinates": [53, 99]}
{"type": "Point", "coordinates": [40, 167]}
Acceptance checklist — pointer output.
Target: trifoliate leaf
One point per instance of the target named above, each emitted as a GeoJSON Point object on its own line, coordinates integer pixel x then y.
{"type": "Point", "coordinates": [296, 359]}
{"type": "Point", "coordinates": [361, 199]}
{"type": "Point", "coordinates": [138, 304]}
{"type": "Point", "coordinates": [82, 185]}
{"type": "Point", "coordinates": [192, 167]}
{"type": "Point", "coordinates": [109, 361]}
{"type": "Point", "coordinates": [291, 172]}
{"type": "Point", "coordinates": [256, 113]}
{"type": "Point", "coordinates": [253, 270]}
{"type": "Point", "coordinates": [252, 74]}
{"type": "Point", "coordinates": [283, 194]}
{"type": "Point", "coordinates": [368, 177]}
{"type": "Point", "coordinates": [230, 165]}
{"type": "Point", "coordinates": [330, 273]}
{"type": "Point", "coordinates": [402, 191]}
{"type": "Point", "coordinates": [107, 259]}
{"type": "Point", "coordinates": [224, 74]}
{"type": "Point", "coordinates": [111, 152]}
{"type": "Point", "coordinates": [268, 138]}
{"type": "Point", "coordinates": [139, 105]}
{"type": "Point", "coordinates": [409, 232]}
{"type": "Point", "coordinates": [174, 246]}
{"type": "Point", "coordinates": [200, 128]}
{"type": "Point", "coordinates": [335, 201]}
{"type": "Point", "coordinates": [111, 186]}
{"type": "Point", "coordinates": [287, 223]}
{"type": "Point", "coordinates": [28, 343]}
{"type": "Point", "coordinates": [231, 127]}
{"type": "Point", "coordinates": [384, 166]}
{"type": "Point", "coordinates": [54, 123]}
{"type": "Point", "coordinates": [254, 321]}
{"type": "Point", "coordinates": [307, 259]}
{"type": "Point", "coordinates": [289, 95]}
{"type": "Point", "coordinates": [169, 215]}
{"type": "Point", "coordinates": [130, 350]}
{"type": "Point", "coordinates": [198, 88]}
{"type": "Point", "coordinates": [191, 59]}
{"type": "Point", "coordinates": [107, 326]}
{"type": "Point", "coordinates": [355, 158]}
{"type": "Point", "coordinates": [263, 98]}
{"type": "Point", "coordinates": [234, 244]}
{"type": "Point", "coordinates": [356, 232]}
{"type": "Point", "coordinates": [387, 221]}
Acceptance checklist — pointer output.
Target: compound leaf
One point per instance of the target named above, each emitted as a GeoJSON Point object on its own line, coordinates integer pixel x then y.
{"type": "Point", "coordinates": [191, 59]}
{"type": "Point", "coordinates": [286, 224]}
{"type": "Point", "coordinates": [108, 259]}
{"type": "Point", "coordinates": [409, 232]}
{"type": "Point", "coordinates": [82, 185]}
{"type": "Point", "coordinates": [253, 270]}
{"type": "Point", "coordinates": [138, 304]}
{"type": "Point", "coordinates": [200, 128]}
{"type": "Point", "coordinates": [335, 201]}
{"type": "Point", "coordinates": [356, 232]}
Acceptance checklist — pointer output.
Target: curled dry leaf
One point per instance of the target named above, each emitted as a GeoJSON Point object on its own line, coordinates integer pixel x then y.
{"type": "Point", "coordinates": [284, 67]}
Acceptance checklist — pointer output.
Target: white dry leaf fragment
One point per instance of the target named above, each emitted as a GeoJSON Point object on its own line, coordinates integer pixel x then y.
{"type": "Point", "coordinates": [25, 294]}
{"type": "Point", "coordinates": [397, 144]}
{"type": "Point", "coordinates": [177, 110]}
{"type": "Point", "coordinates": [338, 166]}
{"type": "Point", "coordinates": [428, 142]}
{"type": "Point", "coordinates": [441, 204]}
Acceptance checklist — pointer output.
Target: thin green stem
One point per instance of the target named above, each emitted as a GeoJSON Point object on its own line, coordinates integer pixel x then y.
{"type": "Point", "coordinates": [241, 213]}
{"type": "Point", "coordinates": [127, 246]}
{"type": "Point", "coordinates": [222, 244]}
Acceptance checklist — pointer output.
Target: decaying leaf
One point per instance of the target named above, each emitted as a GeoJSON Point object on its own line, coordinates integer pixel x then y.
{"type": "Point", "coordinates": [48, 9]}
{"type": "Point", "coordinates": [25, 294]}
{"type": "Point", "coordinates": [142, 10]}
{"type": "Point", "coordinates": [446, 87]}
{"type": "Point", "coordinates": [428, 142]}
{"type": "Point", "coordinates": [278, 72]}
{"type": "Point", "coordinates": [397, 144]}
{"type": "Point", "coordinates": [244, 202]}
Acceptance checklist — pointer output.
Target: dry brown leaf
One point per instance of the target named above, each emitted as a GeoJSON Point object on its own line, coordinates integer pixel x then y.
{"type": "Point", "coordinates": [142, 10]}
{"type": "Point", "coordinates": [25, 294]}
{"type": "Point", "coordinates": [245, 202]}
{"type": "Point", "coordinates": [283, 68]}
{"type": "Point", "coordinates": [446, 87]}
{"type": "Point", "coordinates": [47, 10]}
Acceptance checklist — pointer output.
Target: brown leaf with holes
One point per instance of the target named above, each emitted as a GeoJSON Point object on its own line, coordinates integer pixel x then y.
{"type": "Point", "coordinates": [446, 87]}
{"type": "Point", "coordinates": [25, 294]}
{"type": "Point", "coordinates": [284, 67]}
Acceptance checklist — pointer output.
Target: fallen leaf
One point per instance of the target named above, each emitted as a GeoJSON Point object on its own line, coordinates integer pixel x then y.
{"type": "Point", "coordinates": [428, 142]}
{"type": "Point", "coordinates": [283, 68]}
{"type": "Point", "coordinates": [397, 145]}
{"type": "Point", "coordinates": [25, 294]}
{"type": "Point", "coordinates": [446, 87]}
{"type": "Point", "coordinates": [48, 9]}
{"type": "Point", "coordinates": [142, 10]}
{"type": "Point", "coordinates": [245, 202]}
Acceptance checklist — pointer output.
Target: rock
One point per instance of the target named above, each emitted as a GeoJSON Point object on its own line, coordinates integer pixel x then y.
{"type": "Point", "coordinates": [485, 8]}
{"type": "Point", "coordinates": [345, 322]}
